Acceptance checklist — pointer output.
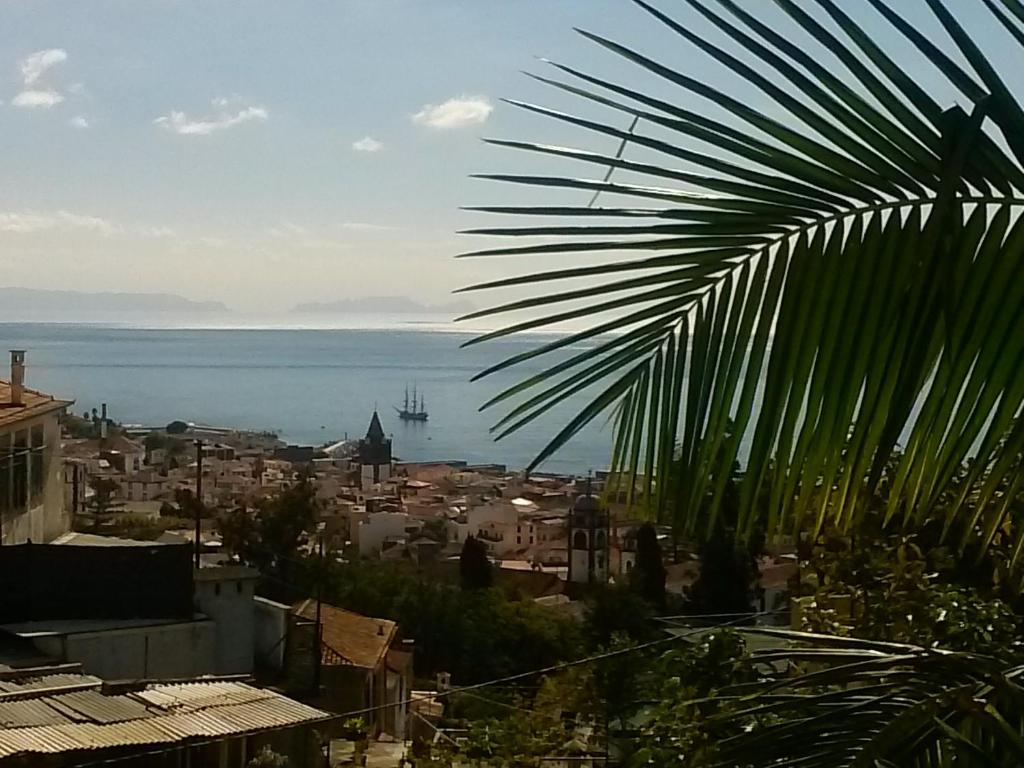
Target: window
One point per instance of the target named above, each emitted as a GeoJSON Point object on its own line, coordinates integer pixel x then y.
{"type": "Point", "coordinates": [37, 462]}
{"type": "Point", "coordinates": [579, 540]}
{"type": "Point", "coordinates": [238, 587]}
{"type": "Point", "coordinates": [216, 590]}
{"type": "Point", "coordinates": [519, 539]}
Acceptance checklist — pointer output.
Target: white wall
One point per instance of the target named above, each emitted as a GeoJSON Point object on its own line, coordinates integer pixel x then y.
{"type": "Point", "coordinates": [226, 595]}
{"type": "Point", "coordinates": [377, 527]}
{"type": "Point", "coordinates": [163, 651]}
{"type": "Point", "coordinates": [271, 629]}
{"type": "Point", "coordinates": [383, 474]}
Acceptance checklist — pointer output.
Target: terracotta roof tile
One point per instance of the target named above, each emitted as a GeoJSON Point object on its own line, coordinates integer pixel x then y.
{"type": "Point", "coordinates": [360, 640]}
{"type": "Point", "coordinates": [35, 404]}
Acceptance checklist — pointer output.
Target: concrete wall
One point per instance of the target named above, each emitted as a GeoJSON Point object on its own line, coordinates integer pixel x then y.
{"type": "Point", "coordinates": [226, 595]}
{"type": "Point", "coordinates": [164, 651]}
{"type": "Point", "coordinates": [383, 472]}
{"type": "Point", "coordinates": [377, 527]}
{"type": "Point", "coordinates": [271, 632]}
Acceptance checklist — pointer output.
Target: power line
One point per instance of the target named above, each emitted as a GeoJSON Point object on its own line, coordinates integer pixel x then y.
{"type": "Point", "coordinates": [553, 668]}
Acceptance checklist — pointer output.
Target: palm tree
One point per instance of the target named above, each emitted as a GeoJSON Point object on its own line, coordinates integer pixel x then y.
{"type": "Point", "coordinates": [803, 288]}
{"type": "Point", "coordinates": [875, 704]}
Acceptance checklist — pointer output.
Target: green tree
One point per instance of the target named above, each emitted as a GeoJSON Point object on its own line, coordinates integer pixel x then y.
{"type": "Point", "coordinates": [176, 428]}
{"type": "Point", "coordinates": [648, 575]}
{"type": "Point", "coordinates": [474, 565]}
{"type": "Point", "coordinates": [810, 286]}
{"type": "Point", "coordinates": [271, 536]}
{"type": "Point", "coordinates": [103, 500]}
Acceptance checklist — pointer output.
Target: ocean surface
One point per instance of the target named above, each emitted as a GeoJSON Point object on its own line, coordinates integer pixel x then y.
{"type": "Point", "coordinates": [309, 385]}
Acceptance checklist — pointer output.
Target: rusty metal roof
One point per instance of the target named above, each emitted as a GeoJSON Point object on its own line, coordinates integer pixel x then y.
{"type": "Point", "coordinates": [54, 721]}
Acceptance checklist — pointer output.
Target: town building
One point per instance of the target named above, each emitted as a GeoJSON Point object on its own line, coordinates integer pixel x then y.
{"type": "Point", "coordinates": [31, 480]}
{"type": "Point", "coordinates": [362, 664]}
{"type": "Point", "coordinates": [375, 460]}
{"type": "Point", "coordinates": [589, 539]}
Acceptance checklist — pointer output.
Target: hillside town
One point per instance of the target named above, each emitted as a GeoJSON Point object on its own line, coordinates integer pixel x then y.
{"type": "Point", "coordinates": [134, 595]}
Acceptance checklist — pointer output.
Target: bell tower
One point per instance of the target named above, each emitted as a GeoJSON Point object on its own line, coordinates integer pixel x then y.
{"type": "Point", "coordinates": [374, 455]}
{"type": "Point", "coordinates": [589, 526]}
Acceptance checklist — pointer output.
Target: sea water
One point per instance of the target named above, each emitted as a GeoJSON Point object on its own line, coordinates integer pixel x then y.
{"type": "Point", "coordinates": [310, 386]}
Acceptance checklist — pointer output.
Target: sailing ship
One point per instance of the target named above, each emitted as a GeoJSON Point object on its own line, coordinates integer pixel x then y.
{"type": "Point", "coordinates": [417, 413]}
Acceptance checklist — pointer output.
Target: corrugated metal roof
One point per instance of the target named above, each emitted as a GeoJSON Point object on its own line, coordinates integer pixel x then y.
{"type": "Point", "coordinates": [46, 681]}
{"type": "Point", "coordinates": [94, 706]}
{"type": "Point", "coordinates": [19, 714]}
{"type": "Point", "coordinates": [159, 714]}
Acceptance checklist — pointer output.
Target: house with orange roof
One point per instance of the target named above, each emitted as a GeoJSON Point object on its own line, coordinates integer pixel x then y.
{"type": "Point", "coordinates": [364, 668]}
{"type": "Point", "coordinates": [31, 481]}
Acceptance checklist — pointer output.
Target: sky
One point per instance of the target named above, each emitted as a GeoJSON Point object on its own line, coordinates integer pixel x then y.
{"type": "Point", "coordinates": [266, 153]}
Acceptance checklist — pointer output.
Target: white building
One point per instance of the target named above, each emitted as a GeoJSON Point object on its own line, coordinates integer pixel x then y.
{"type": "Point", "coordinates": [370, 534]}
{"type": "Point", "coordinates": [31, 477]}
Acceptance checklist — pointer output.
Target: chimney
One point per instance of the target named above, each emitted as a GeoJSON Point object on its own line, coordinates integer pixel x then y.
{"type": "Point", "coordinates": [103, 421]}
{"type": "Point", "coordinates": [17, 377]}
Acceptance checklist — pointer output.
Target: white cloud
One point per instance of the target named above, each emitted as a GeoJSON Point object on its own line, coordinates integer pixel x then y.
{"type": "Point", "coordinates": [222, 119]}
{"type": "Point", "coordinates": [287, 229]}
{"type": "Point", "coordinates": [44, 99]}
{"type": "Point", "coordinates": [157, 232]}
{"type": "Point", "coordinates": [367, 144]}
{"type": "Point", "coordinates": [26, 222]}
{"type": "Point", "coordinates": [79, 122]}
{"type": "Point", "coordinates": [455, 113]}
{"type": "Point", "coordinates": [363, 226]}
{"type": "Point", "coordinates": [34, 66]}
{"type": "Point", "coordinates": [36, 92]}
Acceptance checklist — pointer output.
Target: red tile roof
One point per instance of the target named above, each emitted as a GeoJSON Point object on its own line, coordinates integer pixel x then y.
{"type": "Point", "coordinates": [35, 404]}
{"type": "Point", "coordinates": [360, 640]}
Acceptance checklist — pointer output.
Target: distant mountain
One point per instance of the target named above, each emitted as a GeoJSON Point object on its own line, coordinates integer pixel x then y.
{"type": "Point", "coordinates": [36, 301]}
{"type": "Point", "coordinates": [383, 305]}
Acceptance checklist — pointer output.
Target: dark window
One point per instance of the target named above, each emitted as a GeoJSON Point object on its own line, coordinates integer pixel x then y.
{"type": "Point", "coordinates": [579, 540]}
{"type": "Point", "coordinates": [216, 589]}
{"type": "Point", "coordinates": [18, 472]}
{"type": "Point", "coordinates": [38, 462]}
{"type": "Point", "coordinates": [238, 587]}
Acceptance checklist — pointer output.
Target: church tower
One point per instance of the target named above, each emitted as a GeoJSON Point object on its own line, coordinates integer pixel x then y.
{"type": "Point", "coordinates": [588, 540]}
{"type": "Point", "coordinates": [374, 455]}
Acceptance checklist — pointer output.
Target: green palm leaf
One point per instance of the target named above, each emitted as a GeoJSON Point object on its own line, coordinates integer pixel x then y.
{"type": "Point", "coordinates": [825, 281]}
{"type": "Point", "coordinates": [874, 704]}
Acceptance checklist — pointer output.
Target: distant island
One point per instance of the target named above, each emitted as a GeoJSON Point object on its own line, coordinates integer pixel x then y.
{"type": "Point", "coordinates": [383, 305]}
{"type": "Point", "coordinates": [33, 300]}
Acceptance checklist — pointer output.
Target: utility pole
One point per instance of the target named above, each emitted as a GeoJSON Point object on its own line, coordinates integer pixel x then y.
{"type": "Point", "coordinates": [317, 645]}
{"type": "Point", "coordinates": [199, 499]}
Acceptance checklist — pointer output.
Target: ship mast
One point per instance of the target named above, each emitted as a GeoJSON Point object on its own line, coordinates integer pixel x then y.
{"type": "Point", "coordinates": [406, 397]}
{"type": "Point", "coordinates": [423, 407]}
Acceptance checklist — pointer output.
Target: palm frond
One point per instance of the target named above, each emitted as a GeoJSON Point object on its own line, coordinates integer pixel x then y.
{"type": "Point", "coordinates": [862, 703]}
{"type": "Point", "coordinates": [825, 280]}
